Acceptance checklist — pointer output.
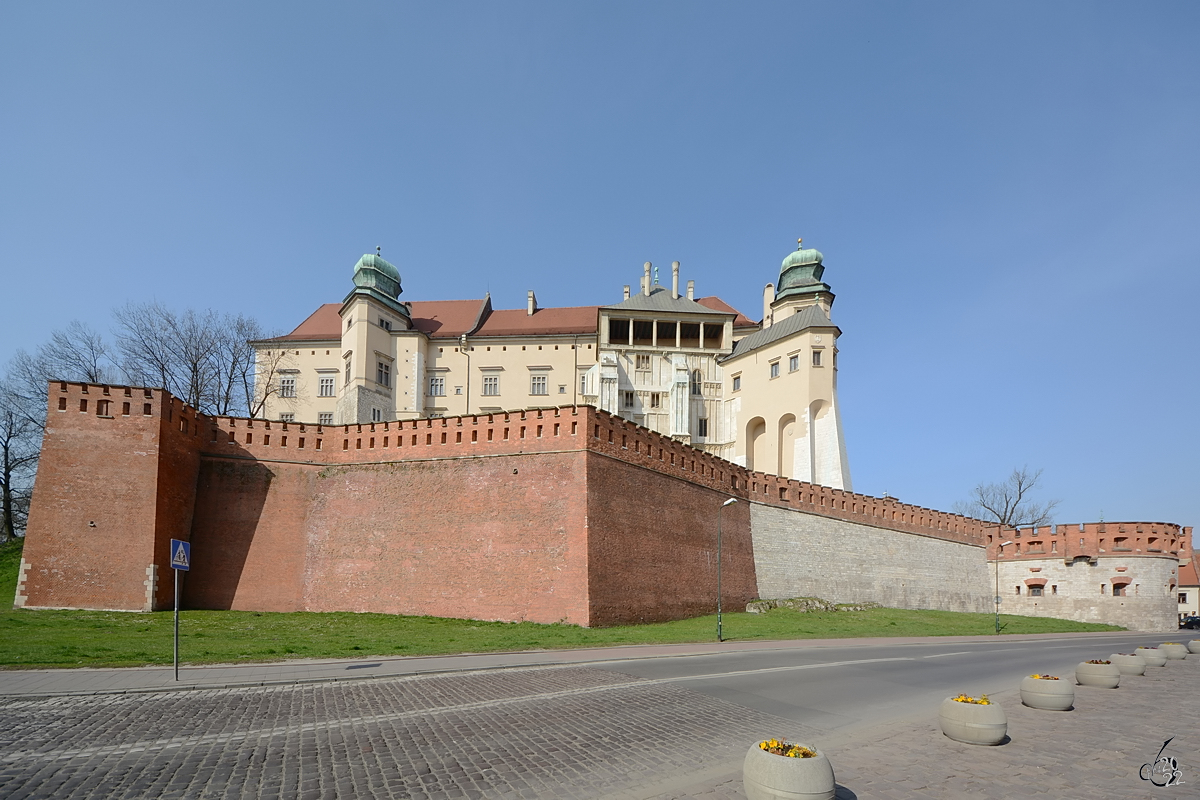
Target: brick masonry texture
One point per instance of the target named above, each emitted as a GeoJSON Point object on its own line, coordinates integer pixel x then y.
{"type": "Point", "coordinates": [560, 514]}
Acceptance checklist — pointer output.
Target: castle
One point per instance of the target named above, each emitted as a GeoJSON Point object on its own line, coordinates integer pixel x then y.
{"type": "Point", "coordinates": [762, 395]}
{"type": "Point", "coordinates": [402, 499]}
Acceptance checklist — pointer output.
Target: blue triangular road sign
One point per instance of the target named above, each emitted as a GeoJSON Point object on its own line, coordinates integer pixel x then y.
{"type": "Point", "coordinates": [181, 554]}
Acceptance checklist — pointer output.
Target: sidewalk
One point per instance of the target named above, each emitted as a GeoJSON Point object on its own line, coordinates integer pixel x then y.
{"type": "Point", "coordinates": [85, 681]}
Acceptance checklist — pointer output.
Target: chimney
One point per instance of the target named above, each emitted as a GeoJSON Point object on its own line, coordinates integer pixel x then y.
{"type": "Point", "coordinates": [627, 291]}
{"type": "Point", "coordinates": [691, 290]}
{"type": "Point", "coordinates": [675, 280]}
{"type": "Point", "coordinates": [768, 297]}
{"type": "Point", "coordinates": [646, 279]}
{"type": "Point", "coordinates": [530, 304]}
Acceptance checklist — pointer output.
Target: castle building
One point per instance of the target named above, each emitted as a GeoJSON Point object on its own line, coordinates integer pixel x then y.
{"type": "Point", "coordinates": [762, 395]}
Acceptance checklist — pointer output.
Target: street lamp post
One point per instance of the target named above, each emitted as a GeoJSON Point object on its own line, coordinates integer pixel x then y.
{"type": "Point", "coordinates": [999, 552]}
{"type": "Point", "coordinates": [728, 502]}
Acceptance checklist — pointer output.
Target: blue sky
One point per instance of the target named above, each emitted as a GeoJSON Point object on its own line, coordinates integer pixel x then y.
{"type": "Point", "coordinates": [1006, 194]}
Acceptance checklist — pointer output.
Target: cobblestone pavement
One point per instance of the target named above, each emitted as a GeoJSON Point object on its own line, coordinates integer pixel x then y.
{"type": "Point", "coordinates": [547, 732]}
{"type": "Point", "coordinates": [564, 732]}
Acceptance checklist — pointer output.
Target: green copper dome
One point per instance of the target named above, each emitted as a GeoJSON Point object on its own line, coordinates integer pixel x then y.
{"type": "Point", "coordinates": [373, 272]}
{"type": "Point", "coordinates": [801, 273]}
{"type": "Point", "coordinates": [799, 258]}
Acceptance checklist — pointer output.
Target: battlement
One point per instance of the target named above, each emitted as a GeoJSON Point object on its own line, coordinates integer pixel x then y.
{"type": "Point", "coordinates": [1090, 540]}
{"type": "Point", "coordinates": [504, 433]}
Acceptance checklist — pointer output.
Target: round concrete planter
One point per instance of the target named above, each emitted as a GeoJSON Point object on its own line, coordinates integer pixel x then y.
{"type": "Point", "coordinates": [971, 723]}
{"type": "Point", "coordinates": [1129, 663]}
{"type": "Point", "coordinates": [1103, 676]}
{"type": "Point", "coordinates": [766, 776]}
{"type": "Point", "coordinates": [1194, 646]}
{"type": "Point", "coordinates": [1174, 652]}
{"type": "Point", "coordinates": [1047, 695]}
{"type": "Point", "coordinates": [1153, 656]}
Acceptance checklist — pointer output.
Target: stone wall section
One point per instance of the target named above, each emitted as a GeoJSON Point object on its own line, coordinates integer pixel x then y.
{"type": "Point", "coordinates": [809, 555]}
{"type": "Point", "coordinates": [1082, 589]}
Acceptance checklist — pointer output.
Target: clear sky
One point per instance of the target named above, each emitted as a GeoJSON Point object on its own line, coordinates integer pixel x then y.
{"type": "Point", "coordinates": [1007, 194]}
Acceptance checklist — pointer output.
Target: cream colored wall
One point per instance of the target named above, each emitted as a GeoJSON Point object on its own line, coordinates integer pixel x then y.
{"type": "Point", "coordinates": [514, 360]}
{"type": "Point", "coordinates": [783, 423]}
{"type": "Point", "coordinates": [306, 362]}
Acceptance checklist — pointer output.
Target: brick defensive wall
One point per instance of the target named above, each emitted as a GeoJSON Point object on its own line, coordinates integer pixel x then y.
{"type": "Point", "coordinates": [564, 513]}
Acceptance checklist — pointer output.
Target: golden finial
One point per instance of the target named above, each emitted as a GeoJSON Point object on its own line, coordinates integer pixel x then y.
{"type": "Point", "coordinates": [799, 244]}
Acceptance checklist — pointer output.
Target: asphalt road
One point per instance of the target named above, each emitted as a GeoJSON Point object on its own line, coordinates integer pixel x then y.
{"type": "Point", "coordinates": [837, 689]}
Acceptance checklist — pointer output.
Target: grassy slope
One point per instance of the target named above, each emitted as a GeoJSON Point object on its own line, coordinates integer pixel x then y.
{"type": "Point", "coordinates": [10, 564]}
{"type": "Point", "coordinates": [100, 638]}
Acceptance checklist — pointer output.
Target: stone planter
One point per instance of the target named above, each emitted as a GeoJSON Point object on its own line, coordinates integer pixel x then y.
{"type": "Point", "coordinates": [1129, 663]}
{"type": "Point", "coordinates": [1174, 652]}
{"type": "Point", "coordinates": [1152, 656]}
{"type": "Point", "coordinates": [1047, 695]}
{"type": "Point", "coordinates": [1194, 646]}
{"type": "Point", "coordinates": [766, 776]}
{"type": "Point", "coordinates": [971, 723]}
{"type": "Point", "coordinates": [1103, 676]}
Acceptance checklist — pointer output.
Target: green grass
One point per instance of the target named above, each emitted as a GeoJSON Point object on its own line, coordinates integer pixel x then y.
{"type": "Point", "coordinates": [107, 639]}
{"type": "Point", "coordinates": [10, 564]}
{"type": "Point", "coordinates": [30, 639]}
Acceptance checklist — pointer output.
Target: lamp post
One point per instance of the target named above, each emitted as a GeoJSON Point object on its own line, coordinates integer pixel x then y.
{"type": "Point", "coordinates": [728, 502]}
{"type": "Point", "coordinates": [999, 552]}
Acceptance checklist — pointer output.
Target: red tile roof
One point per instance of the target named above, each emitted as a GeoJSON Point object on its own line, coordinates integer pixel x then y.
{"type": "Point", "coordinates": [544, 321]}
{"type": "Point", "coordinates": [1188, 575]}
{"type": "Point", "coordinates": [449, 319]}
{"type": "Point", "coordinates": [323, 324]}
{"type": "Point", "coordinates": [441, 319]}
{"type": "Point", "coordinates": [717, 304]}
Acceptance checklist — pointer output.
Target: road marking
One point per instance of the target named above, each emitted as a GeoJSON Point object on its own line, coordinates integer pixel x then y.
{"type": "Point", "coordinates": [777, 669]}
{"type": "Point", "coordinates": [963, 653]}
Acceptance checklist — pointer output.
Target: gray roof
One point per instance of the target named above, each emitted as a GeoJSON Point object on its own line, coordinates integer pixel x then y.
{"type": "Point", "coordinates": [660, 300]}
{"type": "Point", "coordinates": [813, 316]}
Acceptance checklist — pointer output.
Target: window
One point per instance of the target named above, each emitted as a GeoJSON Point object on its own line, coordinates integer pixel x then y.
{"type": "Point", "coordinates": [287, 417]}
{"type": "Point", "coordinates": [1035, 591]}
{"type": "Point", "coordinates": [537, 384]}
{"type": "Point", "coordinates": [1183, 597]}
{"type": "Point", "coordinates": [655, 400]}
{"type": "Point", "coordinates": [491, 385]}
{"type": "Point", "coordinates": [627, 399]}
{"type": "Point", "coordinates": [737, 383]}
{"type": "Point", "coordinates": [793, 363]}
{"type": "Point", "coordinates": [325, 387]}
{"type": "Point", "coordinates": [562, 388]}
{"type": "Point", "coordinates": [287, 387]}
{"type": "Point", "coordinates": [702, 427]}
{"type": "Point", "coordinates": [376, 415]}
{"type": "Point", "coordinates": [386, 324]}
{"type": "Point", "coordinates": [697, 383]}
{"type": "Point", "coordinates": [324, 419]}
{"type": "Point", "coordinates": [383, 373]}
{"type": "Point", "coordinates": [642, 362]}
{"type": "Point", "coordinates": [774, 369]}
{"type": "Point", "coordinates": [816, 358]}
{"type": "Point", "coordinates": [347, 372]}
{"type": "Point", "coordinates": [1118, 590]}
{"type": "Point", "coordinates": [583, 383]}
{"type": "Point", "coordinates": [437, 387]}
{"type": "Point", "coordinates": [458, 390]}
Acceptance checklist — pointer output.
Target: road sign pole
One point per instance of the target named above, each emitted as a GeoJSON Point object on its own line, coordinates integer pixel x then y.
{"type": "Point", "coordinates": [176, 623]}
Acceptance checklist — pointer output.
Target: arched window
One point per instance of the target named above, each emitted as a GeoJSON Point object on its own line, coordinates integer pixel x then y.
{"type": "Point", "coordinates": [697, 383]}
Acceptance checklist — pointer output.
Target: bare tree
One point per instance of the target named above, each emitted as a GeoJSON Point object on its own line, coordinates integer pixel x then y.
{"type": "Point", "coordinates": [1009, 503]}
{"type": "Point", "coordinates": [204, 358]}
{"type": "Point", "coordinates": [20, 443]}
{"type": "Point", "coordinates": [264, 382]}
{"type": "Point", "coordinates": [74, 353]}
